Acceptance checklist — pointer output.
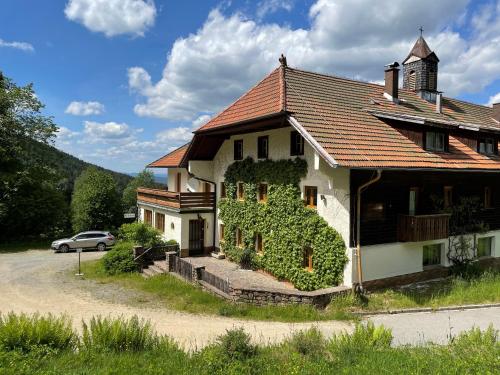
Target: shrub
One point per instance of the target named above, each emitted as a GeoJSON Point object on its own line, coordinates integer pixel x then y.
{"type": "Point", "coordinates": [140, 234]}
{"type": "Point", "coordinates": [119, 335]}
{"type": "Point", "coordinates": [120, 259]}
{"type": "Point", "coordinates": [171, 242]}
{"type": "Point", "coordinates": [364, 338]}
{"type": "Point", "coordinates": [35, 333]}
{"type": "Point", "coordinates": [309, 343]}
{"type": "Point", "coordinates": [236, 344]}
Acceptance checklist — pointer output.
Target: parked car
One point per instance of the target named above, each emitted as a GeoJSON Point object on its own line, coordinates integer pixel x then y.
{"type": "Point", "coordinates": [85, 240]}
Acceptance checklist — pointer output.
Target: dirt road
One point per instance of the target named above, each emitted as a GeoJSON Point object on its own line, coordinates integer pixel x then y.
{"type": "Point", "coordinates": [39, 281]}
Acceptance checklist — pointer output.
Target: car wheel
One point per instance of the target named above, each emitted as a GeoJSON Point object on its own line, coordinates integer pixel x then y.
{"type": "Point", "coordinates": [63, 248]}
{"type": "Point", "coordinates": [101, 246]}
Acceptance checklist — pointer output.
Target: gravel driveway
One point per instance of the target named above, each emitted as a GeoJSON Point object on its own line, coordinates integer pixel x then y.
{"type": "Point", "coordinates": [39, 281]}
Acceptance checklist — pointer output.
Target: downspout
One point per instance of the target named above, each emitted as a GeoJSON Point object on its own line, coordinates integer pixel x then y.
{"type": "Point", "coordinates": [358, 227]}
{"type": "Point", "coordinates": [215, 206]}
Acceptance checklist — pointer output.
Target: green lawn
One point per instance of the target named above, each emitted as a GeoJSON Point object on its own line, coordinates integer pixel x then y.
{"type": "Point", "coordinates": [177, 294]}
{"type": "Point", "coordinates": [15, 247]}
{"type": "Point", "coordinates": [453, 291]}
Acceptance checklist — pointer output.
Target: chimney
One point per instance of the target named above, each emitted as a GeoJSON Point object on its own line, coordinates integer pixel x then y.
{"type": "Point", "coordinates": [439, 102]}
{"type": "Point", "coordinates": [496, 111]}
{"type": "Point", "coordinates": [392, 81]}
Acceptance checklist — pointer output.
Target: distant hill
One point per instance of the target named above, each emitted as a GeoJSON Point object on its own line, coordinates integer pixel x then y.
{"type": "Point", "coordinates": [160, 178]}
{"type": "Point", "coordinates": [69, 166]}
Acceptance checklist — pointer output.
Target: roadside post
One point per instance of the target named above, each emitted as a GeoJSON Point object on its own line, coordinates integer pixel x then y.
{"type": "Point", "coordinates": [79, 251]}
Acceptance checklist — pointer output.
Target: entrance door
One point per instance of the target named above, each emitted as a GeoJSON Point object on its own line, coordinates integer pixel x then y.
{"type": "Point", "coordinates": [196, 236]}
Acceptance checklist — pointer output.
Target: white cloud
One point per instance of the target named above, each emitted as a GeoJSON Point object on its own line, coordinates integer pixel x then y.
{"type": "Point", "coordinates": [201, 120]}
{"type": "Point", "coordinates": [65, 135]}
{"type": "Point", "coordinates": [207, 70]}
{"type": "Point", "coordinates": [494, 99]}
{"type": "Point", "coordinates": [175, 134]}
{"type": "Point", "coordinates": [23, 46]}
{"type": "Point", "coordinates": [113, 17]}
{"type": "Point", "coordinates": [266, 7]}
{"type": "Point", "coordinates": [108, 131]}
{"type": "Point", "coordinates": [84, 108]}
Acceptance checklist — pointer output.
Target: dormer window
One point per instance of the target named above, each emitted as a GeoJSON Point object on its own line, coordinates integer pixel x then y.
{"type": "Point", "coordinates": [435, 141]}
{"type": "Point", "coordinates": [486, 146]}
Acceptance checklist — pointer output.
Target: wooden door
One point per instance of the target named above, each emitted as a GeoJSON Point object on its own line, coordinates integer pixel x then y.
{"type": "Point", "coordinates": [196, 237]}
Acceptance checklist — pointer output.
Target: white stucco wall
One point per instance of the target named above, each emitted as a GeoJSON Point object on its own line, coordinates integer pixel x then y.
{"type": "Point", "coordinates": [394, 259]}
{"type": "Point", "coordinates": [172, 178]}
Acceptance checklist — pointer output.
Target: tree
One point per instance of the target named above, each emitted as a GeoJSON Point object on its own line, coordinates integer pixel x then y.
{"type": "Point", "coordinates": [129, 198]}
{"type": "Point", "coordinates": [95, 203]}
{"type": "Point", "coordinates": [30, 203]}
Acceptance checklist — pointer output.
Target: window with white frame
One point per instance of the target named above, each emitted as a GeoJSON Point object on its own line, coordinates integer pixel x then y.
{"type": "Point", "coordinates": [432, 255]}
{"type": "Point", "coordinates": [484, 246]}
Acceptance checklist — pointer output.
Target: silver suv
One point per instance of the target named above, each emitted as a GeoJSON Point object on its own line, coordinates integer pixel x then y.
{"type": "Point", "coordinates": [85, 240]}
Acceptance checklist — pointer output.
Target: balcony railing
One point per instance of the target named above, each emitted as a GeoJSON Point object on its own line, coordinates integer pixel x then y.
{"type": "Point", "coordinates": [414, 228]}
{"type": "Point", "coordinates": [183, 200]}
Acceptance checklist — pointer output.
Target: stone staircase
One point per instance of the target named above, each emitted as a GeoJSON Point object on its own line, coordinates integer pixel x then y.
{"type": "Point", "coordinates": [157, 268]}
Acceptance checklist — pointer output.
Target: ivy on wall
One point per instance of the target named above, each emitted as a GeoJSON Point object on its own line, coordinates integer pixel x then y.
{"type": "Point", "coordinates": [285, 224]}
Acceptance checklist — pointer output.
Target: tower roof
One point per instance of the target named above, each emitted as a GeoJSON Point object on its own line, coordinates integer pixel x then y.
{"type": "Point", "coordinates": [421, 50]}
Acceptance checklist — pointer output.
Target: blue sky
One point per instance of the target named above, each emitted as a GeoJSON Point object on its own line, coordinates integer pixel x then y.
{"type": "Point", "coordinates": [142, 74]}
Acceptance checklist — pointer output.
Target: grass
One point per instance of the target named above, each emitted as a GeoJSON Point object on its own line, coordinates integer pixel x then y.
{"type": "Point", "coordinates": [453, 291]}
{"type": "Point", "coordinates": [19, 246]}
{"type": "Point", "coordinates": [176, 294]}
{"type": "Point", "coordinates": [367, 351]}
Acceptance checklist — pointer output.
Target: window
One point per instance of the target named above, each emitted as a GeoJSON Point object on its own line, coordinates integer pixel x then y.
{"type": "Point", "coordinates": [238, 149]}
{"type": "Point", "coordinates": [262, 147]}
{"type": "Point", "coordinates": [206, 187]}
{"type": "Point", "coordinates": [484, 246]}
{"type": "Point", "coordinates": [262, 192]}
{"type": "Point", "coordinates": [239, 238]}
{"type": "Point", "coordinates": [221, 232]}
{"type": "Point", "coordinates": [432, 255]}
{"type": "Point", "coordinates": [296, 144]}
{"type": "Point", "coordinates": [486, 146]}
{"type": "Point", "coordinates": [241, 191]}
{"type": "Point", "coordinates": [160, 222]}
{"type": "Point", "coordinates": [412, 80]}
{"type": "Point", "coordinates": [413, 201]}
{"type": "Point", "coordinates": [311, 196]}
{"type": "Point", "coordinates": [178, 182]}
{"type": "Point", "coordinates": [432, 79]}
{"type": "Point", "coordinates": [148, 217]}
{"type": "Point", "coordinates": [259, 246]}
{"type": "Point", "coordinates": [307, 262]}
{"type": "Point", "coordinates": [435, 141]}
{"type": "Point", "coordinates": [222, 190]}
{"type": "Point", "coordinates": [448, 196]}
{"type": "Point", "coordinates": [487, 197]}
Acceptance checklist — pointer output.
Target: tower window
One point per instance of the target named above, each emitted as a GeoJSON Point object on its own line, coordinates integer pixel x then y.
{"type": "Point", "coordinates": [412, 80]}
{"type": "Point", "coordinates": [432, 79]}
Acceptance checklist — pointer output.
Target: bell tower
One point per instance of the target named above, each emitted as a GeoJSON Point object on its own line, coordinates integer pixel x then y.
{"type": "Point", "coordinates": [420, 70]}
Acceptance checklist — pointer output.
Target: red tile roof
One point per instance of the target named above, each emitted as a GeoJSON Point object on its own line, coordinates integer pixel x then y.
{"type": "Point", "coordinates": [171, 160]}
{"type": "Point", "coordinates": [346, 118]}
{"type": "Point", "coordinates": [263, 99]}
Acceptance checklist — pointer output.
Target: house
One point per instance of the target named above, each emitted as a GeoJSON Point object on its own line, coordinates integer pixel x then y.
{"type": "Point", "coordinates": [385, 167]}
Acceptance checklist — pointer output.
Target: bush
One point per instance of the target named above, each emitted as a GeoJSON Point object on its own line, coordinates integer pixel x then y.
{"type": "Point", "coordinates": [309, 343]}
{"type": "Point", "coordinates": [171, 242]}
{"type": "Point", "coordinates": [119, 335]}
{"type": "Point", "coordinates": [364, 338]}
{"type": "Point", "coordinates": [236, 344]}
{"type": "Point", "coordinates": [120, 259]}
{"type": "Point", "coordinates": [34, 333]}
{"type": "Point", "coordinates": [140, 234]}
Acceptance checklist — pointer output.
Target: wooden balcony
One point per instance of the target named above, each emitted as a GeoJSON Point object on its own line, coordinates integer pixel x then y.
{"type": "Point", "coordinates": [180, 201]}
{"type": "Point", "coordinates": [423, 227]}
